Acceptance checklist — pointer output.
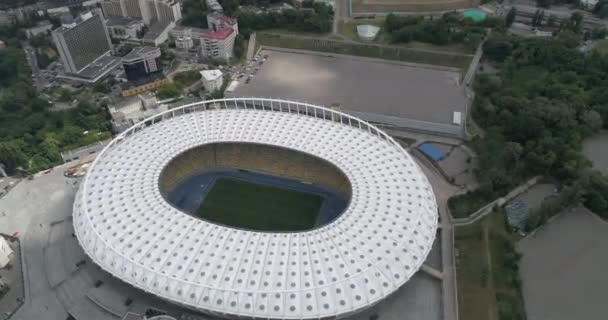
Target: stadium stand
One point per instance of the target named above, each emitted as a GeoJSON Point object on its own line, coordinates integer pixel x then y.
{"type": "Point", "coordinates": [253, 157]}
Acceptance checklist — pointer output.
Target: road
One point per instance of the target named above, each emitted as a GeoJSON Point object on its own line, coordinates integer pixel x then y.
{"type": "Point", "coordinates": [443, 191]}
{"type": "Point", "coordinates": [32, 60]}
{"type": "Point", "coordinates": [340, 11]}
{"type": "Point", "coordinates": [49, 198]}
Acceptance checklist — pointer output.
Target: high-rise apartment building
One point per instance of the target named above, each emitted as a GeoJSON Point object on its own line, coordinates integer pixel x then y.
{"type": "Point", "coordinates": [218, 43]}
{"type": "Point", "coordinates": [82, 41]}
{"type": "Point", "coordinates": [112, 8]}
{"type": "Point", "coordinates": [163, 11]}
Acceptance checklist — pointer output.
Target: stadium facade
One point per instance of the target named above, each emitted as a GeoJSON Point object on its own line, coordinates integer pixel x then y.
{"type": "Point", "coordinates": [126, 226]}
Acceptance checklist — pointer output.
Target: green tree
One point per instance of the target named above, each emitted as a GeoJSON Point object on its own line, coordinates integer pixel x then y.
{"type": "Point", "coordinates": [510, 18]}
{"type": "Point", "coordinates": [12, 155]}
{"type": "Point", "coordinates": [498, 48]}
{"type": "Point", "coordinates": [591, 122]}
{"type": "Point", "coordinates": [230, 7]}
{"type": "Point", "coordinates": [195, 13]}
{"type": "Point", "coordinates": [544, 3]}
{"type": "Point", "coordinates": [169, 90]}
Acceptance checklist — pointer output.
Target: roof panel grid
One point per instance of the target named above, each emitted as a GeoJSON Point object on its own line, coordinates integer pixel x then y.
{"type": "Point", "coordinates": [125, 225]}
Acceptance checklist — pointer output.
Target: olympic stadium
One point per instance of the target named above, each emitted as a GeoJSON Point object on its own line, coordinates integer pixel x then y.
{"type": "Point", "coordinates": [257, 208]}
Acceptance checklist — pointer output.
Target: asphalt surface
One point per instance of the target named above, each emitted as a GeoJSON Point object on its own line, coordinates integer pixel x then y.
{"type": "Point", "coordinates": [38, 211]}
{"type": "Point", "coordinates": [360, 85]}
{"type": "Point", "coordinates": [564, 268]}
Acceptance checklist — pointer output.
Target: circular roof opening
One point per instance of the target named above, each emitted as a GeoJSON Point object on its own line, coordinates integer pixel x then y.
{"type": "Point", "coordinates": [255, 187]}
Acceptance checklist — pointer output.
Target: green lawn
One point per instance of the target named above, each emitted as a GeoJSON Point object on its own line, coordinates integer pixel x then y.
{"type": "Point", "coordinates": [487, 272]}
{"type": "Point", "coordinates": [248, 205]}
{"type": "Point", "coordinates": [398, 53]}
{"type": "Point", "coordinates": [602, 46]}
{"type": "Point", "coordinates": [462, 206]}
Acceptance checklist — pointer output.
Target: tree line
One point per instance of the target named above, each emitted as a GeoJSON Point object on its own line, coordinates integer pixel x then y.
{"type": "Point", "coordinates": [315, 17]}
{"type": "Point", "coordinates": [546, 97]}
{"type": "Point", "coordinates": [312, 17]}
{"type": "Point", "coordinates": [450, 28]}
{"type": "Point", "coordinates": [31, 135]}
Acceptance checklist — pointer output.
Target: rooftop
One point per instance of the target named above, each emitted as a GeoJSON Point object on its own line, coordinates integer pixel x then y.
{"type": "Point", "coordinates": [222, 18]}
{"type": "Point", "coordinates": [367, 31]}
{"type": "Point", "coordinates": [211, 75]}
{"type": "Point", "coordinates": [155, 30]}
{"type": "Point", "coordinates": [95, 70]}
{"type": "Point", "coordinates": [121, 21]}
{"type": "Point", "coordinates": [375, 247]}
{"type": "Point", "coordinates": [141, 52]}
{"type": "Point", "coordinates": [218, 35]}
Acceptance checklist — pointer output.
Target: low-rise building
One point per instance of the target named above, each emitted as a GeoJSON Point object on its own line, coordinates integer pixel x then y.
{"type": "Point", "coordinates": [43, 27]}
{"type": "Point", "coordinates": [588, 4]}
{"type": "Point", "coordinates": [141, 62]}
{"type": "Point", "coordinates": [133, 88]}
{"type": "Point", "coordinates": [123, 28]}
{"type": "Point", "coordinates": [7, 17]}
{"type": "Point", "coordinates": [191, 32]}
{"type": "Point", "coordinates": [133, 110]}
{"type": "Point", "coordinates": [185, 43]}
{"type": "Point", "coordinates": [212, 79]}
{"type": "Point", "coordinates": [6, 253]}
{"type": "Point", "coordinates": [157, 34]}
{"type": "Point", "coordinates": [217, 21]}
{"type": "Point", "coordinates": [214, 5]}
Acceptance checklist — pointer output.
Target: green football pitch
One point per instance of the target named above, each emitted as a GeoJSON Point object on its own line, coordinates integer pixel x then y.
{"type": "Point", "coordinates": [260, 207]}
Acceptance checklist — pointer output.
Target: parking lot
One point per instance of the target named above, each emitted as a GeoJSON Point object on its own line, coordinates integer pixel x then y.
{"type": "Point", "coordinates": [563, 268]}
{"type": "Point", "coordinates": [377, 90]}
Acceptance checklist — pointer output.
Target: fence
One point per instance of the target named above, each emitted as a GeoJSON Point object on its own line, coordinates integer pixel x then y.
{"type": "Point", "coordinates": [386, 52]}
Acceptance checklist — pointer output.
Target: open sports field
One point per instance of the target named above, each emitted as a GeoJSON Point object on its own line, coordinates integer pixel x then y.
{"type": "Point", "coordinates": [249, 205]}
{"type": "Point", "coordinates": [387, 6]}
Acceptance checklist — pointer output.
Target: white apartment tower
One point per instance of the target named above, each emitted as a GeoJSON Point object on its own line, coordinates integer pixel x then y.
{"type": "Point", "coordinates": [218, 43]}
{"type": "Point", "coordinates": [164, 11]}
{"type": "Point", "coordinates": [82, 42]}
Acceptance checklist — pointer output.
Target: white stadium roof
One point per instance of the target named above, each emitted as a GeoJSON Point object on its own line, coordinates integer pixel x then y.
{"type": "Point", "coordinates": [384, 235]}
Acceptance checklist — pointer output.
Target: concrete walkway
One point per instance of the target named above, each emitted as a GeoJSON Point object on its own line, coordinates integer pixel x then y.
{"type": "Point", "coordinates": [488, 208]}
{"type": "Point", "coordinates": [443, 191]}
{"type": "Point", "coordinates": [251, 46]}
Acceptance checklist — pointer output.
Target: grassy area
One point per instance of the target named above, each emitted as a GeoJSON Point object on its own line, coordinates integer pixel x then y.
{"type": "Point", "coordinates": [299, 33]}
{"type": "Point", "coordinates": [361, 49]}
{"type": "Point", "coordinates": [348, 28]}
{"type": "Point", "coordinates": [488, 277]}
{"type": "Point", "coordinates": [464, 205]}
{"type": "Point", "coordinates": [601, 47]}
{"type": "Point", "coordinates": [186, 78]}
{"type": "Point", "coordinates": [253, 206]}
{"type": "Point", "coordinates": [386, 6]}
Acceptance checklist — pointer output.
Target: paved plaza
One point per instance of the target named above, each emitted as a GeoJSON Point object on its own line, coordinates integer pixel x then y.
{"type": "Point", "coordinates": [377, 90]}
{"type": "Point", "coordinates": [60, 281]}
{"type": "Point", "coordinates": [563, 268]}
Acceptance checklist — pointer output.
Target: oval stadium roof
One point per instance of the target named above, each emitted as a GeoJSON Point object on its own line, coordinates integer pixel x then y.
{"type": "Point", "coordinates": [125, 225]}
